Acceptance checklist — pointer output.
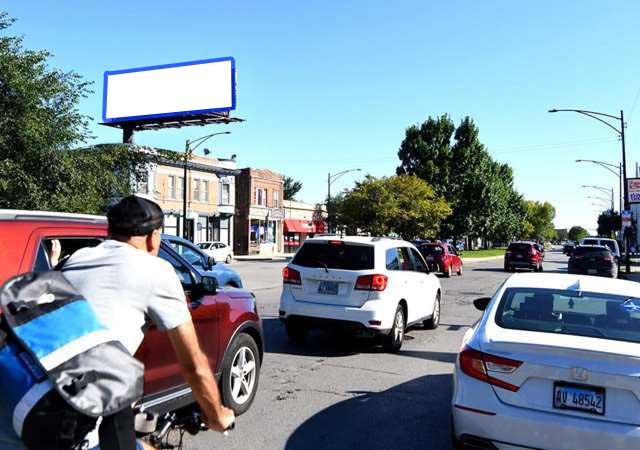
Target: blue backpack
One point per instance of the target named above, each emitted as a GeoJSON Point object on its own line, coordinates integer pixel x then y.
{"type": "Point", "coordinates": [61, 368]}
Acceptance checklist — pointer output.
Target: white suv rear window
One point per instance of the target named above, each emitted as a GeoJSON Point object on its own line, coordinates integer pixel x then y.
{"type": "Point", "coordinates": [338, 255]}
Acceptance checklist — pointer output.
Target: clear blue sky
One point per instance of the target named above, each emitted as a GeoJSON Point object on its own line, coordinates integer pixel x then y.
{"type": "Point", "coordinates": [328, 86]}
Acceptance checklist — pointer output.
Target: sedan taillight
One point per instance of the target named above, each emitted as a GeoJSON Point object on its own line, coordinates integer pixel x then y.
{"type": "Point", "coordinates": [371, 283]}
{"type": "Point", "coordinates": [478, 365]}
{"type": "Point", "coordinates": [291, 276]}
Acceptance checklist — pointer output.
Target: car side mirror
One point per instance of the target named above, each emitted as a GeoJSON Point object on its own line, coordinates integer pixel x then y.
{"type": "Point", "coordinates": [208, 286]}
{"type": "Point", "coordinates": [481, 303]}
{"type": "Point", "coordinates": [211, 261]}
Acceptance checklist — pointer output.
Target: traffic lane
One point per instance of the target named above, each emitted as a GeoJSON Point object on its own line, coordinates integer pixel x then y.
{"type": "Point", "coordinates": [324, 393]}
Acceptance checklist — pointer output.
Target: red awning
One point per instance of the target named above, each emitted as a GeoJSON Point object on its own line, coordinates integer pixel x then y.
{"type": "Point", "coordinates": [321, 226]}
{"type": "Point", "coordinates": [298, 226]}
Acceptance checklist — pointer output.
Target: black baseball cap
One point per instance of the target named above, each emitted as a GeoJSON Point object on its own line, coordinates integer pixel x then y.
{"type": "Point", "coordinates": [134, 216]}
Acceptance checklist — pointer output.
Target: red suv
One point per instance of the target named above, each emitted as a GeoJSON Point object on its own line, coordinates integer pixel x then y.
{"type": "Point", "coordinates": [523, 255]}
{"type": "Point", "coordinates": [226, 320]}
{"type": "Point", "coordinates": [442, 257]}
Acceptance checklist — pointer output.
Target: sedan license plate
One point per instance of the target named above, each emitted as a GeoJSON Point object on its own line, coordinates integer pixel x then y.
{"type": "Point", "coordinates": [578, 398]}
{"type": "Point", "coordinates": [328, 287]}
{"type": "Point", "coordinates": [519, 256]}
{"type": "Point", "coordinates": [592, 271]}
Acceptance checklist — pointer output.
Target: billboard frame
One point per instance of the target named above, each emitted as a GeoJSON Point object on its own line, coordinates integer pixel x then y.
{"type": "Point", "coordinates": [629, 191]}
{"type": "Point", "coordinates": [173, 114]}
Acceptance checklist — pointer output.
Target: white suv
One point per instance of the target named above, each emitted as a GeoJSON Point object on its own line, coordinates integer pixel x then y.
{"type": "Point", "coordinates": [369, 286]}
{"type": "Point", "coordinates": [612, 244]}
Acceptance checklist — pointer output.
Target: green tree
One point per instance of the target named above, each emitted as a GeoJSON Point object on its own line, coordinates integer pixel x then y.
{"type": "Point", "coordinates": [539, 217]}
{"type": "Point", "coordinates": [38, 118]}
{"type": "Point", "coordinates": [291, 188]}
{"type": "Point", "coordinates": [426, 152]}
{"type": "Point", "coordinates": [577, 232]}
{"type": "Point", "coordinates": [562, 234]}
{"type": "Point", "coordinates": [608, 223]}
{"type": "Point", "coordinates": [402, 205]}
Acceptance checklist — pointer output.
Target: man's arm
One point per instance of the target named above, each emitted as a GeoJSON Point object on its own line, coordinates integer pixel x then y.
{"type": "Point", "coordinates": [197, 373]}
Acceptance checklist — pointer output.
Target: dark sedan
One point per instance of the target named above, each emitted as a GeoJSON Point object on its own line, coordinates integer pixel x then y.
{"type": "Point", "coordinates": [593, 260]}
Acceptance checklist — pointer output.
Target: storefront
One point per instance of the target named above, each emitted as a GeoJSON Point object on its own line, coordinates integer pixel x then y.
{"type": "Point", "coordinates": [296, 231]}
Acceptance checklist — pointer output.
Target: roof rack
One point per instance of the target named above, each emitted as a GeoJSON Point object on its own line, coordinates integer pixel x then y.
{"type": "Point", "coordinates": [25, 215]}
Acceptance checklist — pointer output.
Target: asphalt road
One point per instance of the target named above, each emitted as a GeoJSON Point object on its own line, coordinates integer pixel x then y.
{"type": "Point", "coordinates": [325, 395]}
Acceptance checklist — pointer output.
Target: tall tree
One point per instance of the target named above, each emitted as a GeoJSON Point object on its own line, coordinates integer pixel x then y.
{"type": "Point", "coordinates": [576, 233]}
{"type": "Point", "coordinates": [291, 188]}
{"type": "Point", "coordinates": [38, 117]}
{"type": "Point", "coordinates": [426, 152]}
{"type": "Point", "coordinates": [608, 223]}
{"type": "Point", "coordinates": [540, 216]}
{"type": "Point", "coordinates": [402, 205]}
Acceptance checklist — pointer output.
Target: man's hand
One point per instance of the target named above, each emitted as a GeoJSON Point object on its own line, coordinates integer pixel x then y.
{"type": "Point", "coordinates": [196, 371]}
{"type": "Point", "coordinates": [222, 422]}
{"type": "Point", "coordinates": [56, 250]}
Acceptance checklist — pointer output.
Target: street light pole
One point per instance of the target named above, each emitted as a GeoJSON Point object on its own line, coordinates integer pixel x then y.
{"type": "Point", "coordinates": [189, 148]}
{"type": "Point", "coordinates": [603, 190]}
{"type": "Point", "coordinates": [330, 180]}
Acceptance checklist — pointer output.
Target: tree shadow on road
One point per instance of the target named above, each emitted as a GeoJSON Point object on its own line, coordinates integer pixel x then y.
{"type": "Point", "coordinates": [415, 414]}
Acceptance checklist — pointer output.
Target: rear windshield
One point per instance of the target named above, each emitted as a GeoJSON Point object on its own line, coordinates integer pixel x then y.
{"type": "Point", "coordinates": [591, 251]}
{"type": "Point", "coordinates": [431, 250]}
{"type": "Point", "coordinates": [519, 247]}
{"type": "Point", "coordinates": [571, 312]}
{"type": "Point", "coordinates": [590, 242]}
{"type": "Point", "coordinates": [335, 256]}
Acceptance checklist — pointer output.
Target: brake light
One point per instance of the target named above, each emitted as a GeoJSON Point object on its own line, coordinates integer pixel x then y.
{"type": "Point", "coordinates": [371, 283]}
{"type": "Point", "coordinates": [478, 365]}
{"type": "Point", "coordinates": [607, 258]}
{"type": "Point", "coordinates": [290, 276]}
{"type": "Point", "coordinates": [336, 242]}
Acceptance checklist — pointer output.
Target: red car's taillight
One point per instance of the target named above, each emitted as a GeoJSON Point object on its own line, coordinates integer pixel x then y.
{"type": "Point", "coordinates": [478, 365]}
{"type": "Point", "coordinates": [371, 283]}
{"type": "Point", "coordinates": [607, 258]}
{"type": "Point", "coordinates": [290, 276]}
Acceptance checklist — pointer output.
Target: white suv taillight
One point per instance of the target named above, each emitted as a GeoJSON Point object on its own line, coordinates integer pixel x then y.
{"type": "Point", "coordinates": [371, 283]}
{"type": "Point", "coordinates": [291, 276]}
{"type": "Point", "coordinates": [478, 365]}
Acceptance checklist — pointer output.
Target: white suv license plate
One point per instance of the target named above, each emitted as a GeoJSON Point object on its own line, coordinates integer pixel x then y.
{"type": "Point", "coordinates": [328, 287]}
{"type": "Point", "coordinates": [578, 398]}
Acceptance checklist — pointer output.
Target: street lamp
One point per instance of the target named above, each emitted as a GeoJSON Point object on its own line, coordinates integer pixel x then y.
{"type": "Point", "coordinates": [598, 116]}
{"type": "Point", "coordinates": [609, 166]}
{"type": "Point", "coordinates": [189, 148]}
{"type": "Point", "coordinates": [603, 190]}
{"type": "Point", "coordinates": [330, 180]}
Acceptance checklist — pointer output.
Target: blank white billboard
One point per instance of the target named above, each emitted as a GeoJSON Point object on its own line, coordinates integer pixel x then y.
{"type": "Point", "coordinates": [169, 90]}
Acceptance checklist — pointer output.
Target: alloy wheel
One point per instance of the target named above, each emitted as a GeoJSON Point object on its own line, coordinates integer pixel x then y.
{"type": "Point", "coordinates": [243, 375]}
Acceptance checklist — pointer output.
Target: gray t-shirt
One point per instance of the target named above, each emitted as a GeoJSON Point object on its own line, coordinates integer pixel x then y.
{"type": "Point", "coordinates": [127, 286]}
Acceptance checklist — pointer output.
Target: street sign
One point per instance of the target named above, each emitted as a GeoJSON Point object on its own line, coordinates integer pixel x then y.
{"type": "Point", "coordinates": [626, 219]}
{"type": "Point", "coordinates": [170, 90]}
{"type": "Point", "coordinates": [633, 187]}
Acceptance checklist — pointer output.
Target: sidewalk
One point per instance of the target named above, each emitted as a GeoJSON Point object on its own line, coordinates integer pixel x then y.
{"type": "Point", "coordinates": [277, 257]}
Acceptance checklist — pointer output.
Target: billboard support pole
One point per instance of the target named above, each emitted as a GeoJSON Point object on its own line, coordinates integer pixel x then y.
{"type": "Point", "coordinates": [127, 134]}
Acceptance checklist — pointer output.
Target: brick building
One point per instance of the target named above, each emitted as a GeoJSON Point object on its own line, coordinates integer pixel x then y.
{"type": "Point", "coordinates": [301, 221]}
{"type": "Point", "coordinates": [258, 227]}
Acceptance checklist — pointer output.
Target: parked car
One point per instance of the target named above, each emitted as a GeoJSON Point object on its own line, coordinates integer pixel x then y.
{"type": "Point", "coordinates": [371, 287]}
{"type": "Point", "coordinates": [612, 244]}
{"type": "Point", "coordinates": [219, 250]}
{"type": "Point", "coordinates": [442, 258]}
{"type": "Point", "coordinates": [553, 364]}
{"type": "Point", "coordinates": [226, 320]}
{"type": "Point", "coordinates": [204, 262]}
{"type": "Point", "coordinates": [523, 255]}
{"type": "Point", "coordinates": [593, 260]}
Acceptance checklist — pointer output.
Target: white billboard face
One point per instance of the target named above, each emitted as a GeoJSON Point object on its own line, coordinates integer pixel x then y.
{"type": "Point", "coordinates": [633, 188]}
{"type": "Point", "coordinates": [169, 90]}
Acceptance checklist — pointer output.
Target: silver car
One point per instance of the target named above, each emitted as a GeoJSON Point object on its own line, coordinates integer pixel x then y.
{"type": "Point", "coordinates": [203, 263]}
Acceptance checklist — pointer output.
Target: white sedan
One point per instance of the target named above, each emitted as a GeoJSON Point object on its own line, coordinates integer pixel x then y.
{"type": "Point", "coordinates": [220, 251]}
{"type": "Point", "coordinates": [554, 363]}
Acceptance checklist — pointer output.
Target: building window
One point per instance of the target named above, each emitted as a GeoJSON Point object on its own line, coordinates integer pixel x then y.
{"type": "Point", "coordinates": [204, 194]}
{"type": "Point", "coordinates": [142, 184]}
{"type": "Point", "coordinates": [276, 199]}
{"type": "Point", "coordinates": [171, 186]}
{"type": "Point", "coordinates": [196, 189]}
{"type": "Point", "coordinates": [225, 194]}
{"type": "Point", "coordinates": [260, 197]}
{"type": "Point", "coordinates": [180, 187]}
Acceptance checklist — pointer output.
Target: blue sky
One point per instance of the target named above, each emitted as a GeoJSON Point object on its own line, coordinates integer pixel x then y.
{"type": "Point", "coordinates": [327, 86]}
